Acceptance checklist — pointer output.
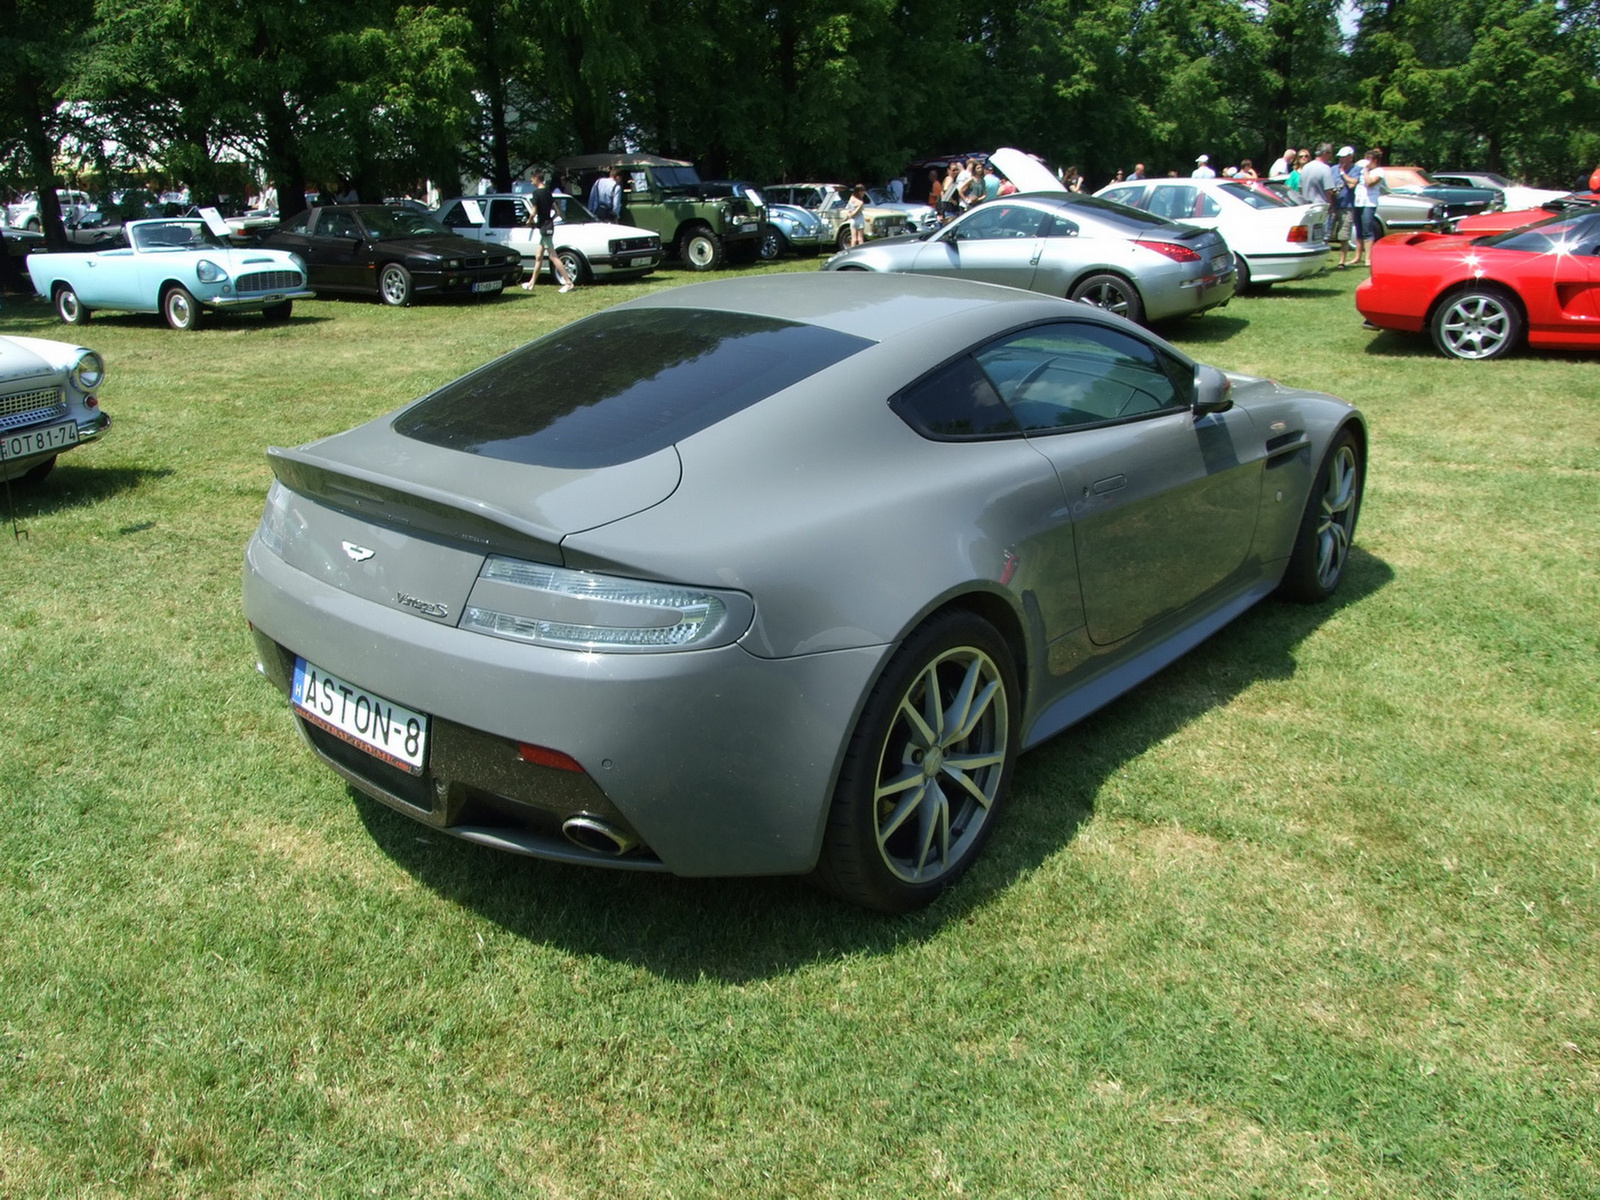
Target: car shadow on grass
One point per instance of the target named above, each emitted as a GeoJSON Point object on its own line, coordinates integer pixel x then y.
{"type": "Point", "coordinates": [70, 486]}
{"type": "Point", "coordinates": [739, 930]}
{"type": "Point", "coordinates": [1210, 328]}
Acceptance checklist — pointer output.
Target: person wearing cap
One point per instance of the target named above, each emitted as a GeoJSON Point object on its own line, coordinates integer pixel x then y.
{"type": "Point", "coordinates": [1342, 205]}
{"type": "Point", "coordinates": [1202, 168]}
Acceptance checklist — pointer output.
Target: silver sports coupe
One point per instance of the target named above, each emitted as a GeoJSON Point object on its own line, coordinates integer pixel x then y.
{"type": "Point", "coordinates": [1132, 263]}
{"type": "Point", "coordinates": [779, 574]}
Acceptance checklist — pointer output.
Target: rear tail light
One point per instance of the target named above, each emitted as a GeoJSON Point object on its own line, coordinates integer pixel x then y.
{"type": "Point", "coordinates": [1299, 234]}
{"type": "Point", "coordinates": [1171, 250]}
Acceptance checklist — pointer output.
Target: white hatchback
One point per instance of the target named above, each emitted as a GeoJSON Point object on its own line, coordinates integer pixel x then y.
{"type": "Point", "coordinates": [1273, 239]}
{"type": "Point", "coordinates": [589, 247]}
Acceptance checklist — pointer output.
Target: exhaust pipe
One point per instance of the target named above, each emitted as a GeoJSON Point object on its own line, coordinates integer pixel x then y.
{"type": "Point", "coordinates": [591, 833]}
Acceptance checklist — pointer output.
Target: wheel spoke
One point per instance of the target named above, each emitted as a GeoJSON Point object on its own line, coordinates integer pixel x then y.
{"type": "Point", "coordinates": [933, 818]}
{"type": "Point", "coordinates": [967, 709]}
{"type": "Point", "coordinates": [912, 803]}
{"type": "Point", "coordinates": [922, 728]}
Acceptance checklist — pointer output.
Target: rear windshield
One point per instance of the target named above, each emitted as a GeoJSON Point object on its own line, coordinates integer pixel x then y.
{"type": "Point", "coordinates": [622, 385]}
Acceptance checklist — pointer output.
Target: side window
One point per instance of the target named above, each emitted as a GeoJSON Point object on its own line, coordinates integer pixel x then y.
{"type": "Point", "coordinates": [955, 403]}
{"type": "Point", "coordinates": [453, 217]}
{"type": "Point", "coordinates": [1133, 197]}
{"type": "Point", "coordinates": [1057, 377]}
{"type": "Point", "coordinates": [336, 224]}
{"type": "Point", "coordinates": [504, 214]}
{"type": "Point", "coordinates": [998, 220]}
{"type": "Point", "coordinates": [1174, 203]}
{"type": "Point", "coordinates": [1206, 205]}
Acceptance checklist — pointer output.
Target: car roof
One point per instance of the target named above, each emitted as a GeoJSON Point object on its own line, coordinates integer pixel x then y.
{"type": "Point", "coordinates": [876, 305]}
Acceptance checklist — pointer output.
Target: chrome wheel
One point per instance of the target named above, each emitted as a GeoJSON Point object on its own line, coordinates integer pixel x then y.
{"type": "Point", "coordinates": [394, 285]}
{"type": "Point", "coordinates": [1336, 515]}
{"type": "Point", "coordinates": [1328, 526]}
{"type": "Point", "coordinates": [68, 307]}
{"type": "Point", "coordinates": [941, 764]}
{"type": "Point", "coordinates": [1478, 323]}
{"type": "Point", "coordinates": [180, 309]}
{"type": "Point", "coordinates": [926, 768]}
{"type": "Point", "coordinates": [1112, 293]}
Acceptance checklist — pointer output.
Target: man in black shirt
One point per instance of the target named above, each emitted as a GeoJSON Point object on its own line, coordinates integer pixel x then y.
{"type": "Point", "coordinates": [544, 219]}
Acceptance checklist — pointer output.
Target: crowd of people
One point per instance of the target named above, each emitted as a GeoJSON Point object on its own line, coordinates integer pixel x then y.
{"type": "Point", "coordinates": [1349, 186]}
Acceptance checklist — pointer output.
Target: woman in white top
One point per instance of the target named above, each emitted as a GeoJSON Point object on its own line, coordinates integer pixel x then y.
{"type": "Point", "coordinates": [1369, 187]}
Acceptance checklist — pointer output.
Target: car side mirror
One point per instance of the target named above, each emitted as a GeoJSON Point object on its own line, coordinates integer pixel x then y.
{"type": "Point", "coordinates": [1213, 391]}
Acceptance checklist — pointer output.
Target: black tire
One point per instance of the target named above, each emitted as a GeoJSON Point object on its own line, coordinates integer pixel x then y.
{"type": "Point", "coordinates": [922, 783]}
{"type": "Point", "coordinates": [281, 311]}
{"type": "Point", "coordinates": [36, 474]}
{"type": "Point", "coordinates": [841, 242]}
{"type": "Point", "coordinates": [1112, 293]}
{"type": "Point", "coordinates": [772, 245]}
{"type": "Point", "coordinates": [576, 264]}
{"type": "Point", "coordinates": [702, 250]}
{"type": "Point", "coordinates": [33, 225]}
{"type": "Point", "coordinates": [68, 307]}
{"type": "Point", "coordinates": [394, 285]}
{"type": "Point", "coordinates": [1477, 322]}
{"type": "Point", "coordinates": [1241, 274]}
{"type": "Point", "coordinates": [180, 309]}
{"type": "Point", "coordinates": [1328, 526]}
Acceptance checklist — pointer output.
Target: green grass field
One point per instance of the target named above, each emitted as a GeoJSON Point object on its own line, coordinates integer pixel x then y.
{"type": "Point", "coordinates": [1313, 913]}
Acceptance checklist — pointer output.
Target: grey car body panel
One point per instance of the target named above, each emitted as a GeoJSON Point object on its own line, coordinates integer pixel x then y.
{"type": "Point", "coordinates": [846, 527]}
{"type": "Point", "coordinates": [1055, 266]}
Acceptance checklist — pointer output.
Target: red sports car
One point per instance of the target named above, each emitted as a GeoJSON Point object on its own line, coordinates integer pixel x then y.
{"type": "Point", "coordinates": [1480, 296]}
{"type": "Point", "coordinates": [1507, 218]}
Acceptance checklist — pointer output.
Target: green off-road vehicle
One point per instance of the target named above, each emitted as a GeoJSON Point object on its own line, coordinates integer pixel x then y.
{"type": "Point", "coordinates": [665, 195]}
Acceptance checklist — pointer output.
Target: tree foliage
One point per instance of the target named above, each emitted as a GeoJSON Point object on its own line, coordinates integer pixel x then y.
{"type": "Point", "coordinates": [385, 93]}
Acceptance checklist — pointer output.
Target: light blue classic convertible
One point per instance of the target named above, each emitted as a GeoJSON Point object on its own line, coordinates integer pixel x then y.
{"type": "Point", "coordinates": [177, 266]}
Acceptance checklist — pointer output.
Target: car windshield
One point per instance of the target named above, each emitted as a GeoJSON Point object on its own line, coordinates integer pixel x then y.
{"type": "Point", "coordinates": [1255, 197]}
{"type": "Point", "coordinates": [677, 177]}
{"type": "Point", "coordinates": [1109, 211]}
{"type": "Point", "coordinates": [1559, 235]}
{"type": "Point", "coordinates": [572, 212]}
{"type": "Point", "coordinates": [386, 223]}
{"type": "Point", "coordinates": [173, 235]}
{"type": "Point", "coordinates": [622, 385]}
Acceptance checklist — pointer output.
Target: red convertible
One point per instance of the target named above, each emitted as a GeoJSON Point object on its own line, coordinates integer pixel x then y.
{"type": "Point", "coordinates": [1479, 297]}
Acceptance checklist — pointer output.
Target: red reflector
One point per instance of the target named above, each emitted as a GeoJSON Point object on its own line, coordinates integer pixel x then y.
{"type": "Point", "coordinates": [1172, 250]}
{"type": "Point", "coordinates": [544, 757]}
{"type": "Point", "coordinates": [1299, 234]}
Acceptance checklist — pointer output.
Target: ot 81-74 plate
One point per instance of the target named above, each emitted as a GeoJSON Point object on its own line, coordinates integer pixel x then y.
{"type": "Point", "coordinates": [384, 729]}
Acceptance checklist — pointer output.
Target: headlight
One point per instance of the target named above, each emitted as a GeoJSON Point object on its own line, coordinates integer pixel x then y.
{"type": "Point", "coordinates": [578, 610]}
{"type": "Point", "coordinates": [89, 372]}
{"type": "Point", "coordinates": [452, 264]}
{"type": "Point", "coordinates": [208, 272]}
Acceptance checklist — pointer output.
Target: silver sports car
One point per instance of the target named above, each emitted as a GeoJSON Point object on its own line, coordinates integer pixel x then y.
{"type": "Point", "coordinates": [1137, 265]}
{"type": "Point", "coordinates": [779, 574]}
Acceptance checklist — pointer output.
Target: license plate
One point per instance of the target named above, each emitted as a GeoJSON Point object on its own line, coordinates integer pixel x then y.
{"type": "Point", "coordinates": [384, 729]}
{"type": "Point", "coordinates": [488, 285]}
{"type": "Point", "coordinates": [41, 441]}
{"type": "Point", "coordinates": [639, 262]}
{"type": "Point", "coordinates": [1221, 266]}
{"type": "Point", "coordinates": [750, 228]}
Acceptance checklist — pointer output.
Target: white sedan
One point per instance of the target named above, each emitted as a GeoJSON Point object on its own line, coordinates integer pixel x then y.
{"type": "Point", "coordinates": [1273, 240]}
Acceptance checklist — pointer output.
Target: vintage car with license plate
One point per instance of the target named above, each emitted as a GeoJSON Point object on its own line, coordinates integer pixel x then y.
{"type": "Point", "coordinates": [180, 267]}
{"type": "Point", "coordinates": [49, 404]}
